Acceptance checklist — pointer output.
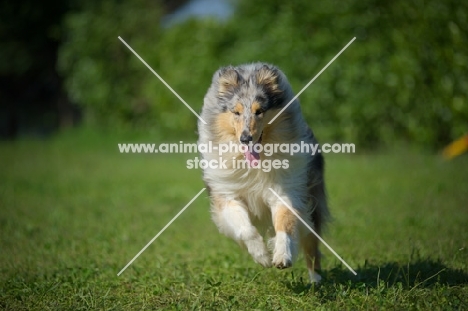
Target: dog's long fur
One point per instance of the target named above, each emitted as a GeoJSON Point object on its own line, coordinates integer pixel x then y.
{"type": "Point", "coordinates": [238, 106]}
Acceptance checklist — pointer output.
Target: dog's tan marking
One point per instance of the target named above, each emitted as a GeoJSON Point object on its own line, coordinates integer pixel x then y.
{"type": "Point", "coordinates": [216, 202]}
{"type": "Point", "coordinates": [255, 107]}
{"type": "Point", "coordinates": [224, 127]}
{"type": "Point", "coordinates": [228, 127]}
{"type": "Point", "coordinates": [239, 108]}
{"type": "Point", "coordinates": [238, 123]}
{"type": "Point", "coordinates": [227, 81]}
{"type": "Point", "coordinates": [311, 252]}
{"type": "Point", "coordinates": [219, 203]}
{"type": "Point", "coordinates": [280, 131]}
{"type": "Point", "coordinates": [255, 128]}
{"type": "Point", "coordinates": [285, 220]}
{"type": "Point", "coordinates": [256, 125]}
{"type": "Point", "coordinates": [268, 77]}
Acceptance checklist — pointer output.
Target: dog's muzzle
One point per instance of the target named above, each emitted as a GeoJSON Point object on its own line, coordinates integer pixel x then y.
{"type": "Point", "coordinates": [251, 155]}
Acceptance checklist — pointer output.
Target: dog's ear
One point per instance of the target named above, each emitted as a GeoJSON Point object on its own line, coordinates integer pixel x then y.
{"type": "Point", "coordinates": [228, 80]}
{"type": "Point", "coordinates": [268, 77]}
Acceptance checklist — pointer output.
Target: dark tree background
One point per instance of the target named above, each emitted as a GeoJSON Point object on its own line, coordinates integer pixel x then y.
{"type": "Point", "coordinates": [403, 80]}
{"type": "Point", "coordinates": [31, 91]}
{"type": "Point", "coordinates": [33, 98]}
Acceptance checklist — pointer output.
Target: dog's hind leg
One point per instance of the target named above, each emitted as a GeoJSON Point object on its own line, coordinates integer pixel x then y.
{"type": "Point", "coordinates": [312, 256]}
{"type": "Point", "coordinates": [233, 220]}
{"type": "Point", "coordinates": [309, 241]}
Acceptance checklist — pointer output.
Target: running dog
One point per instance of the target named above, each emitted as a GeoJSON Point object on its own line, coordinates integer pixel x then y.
{"type": "Point", "coordinates": [238, 107]}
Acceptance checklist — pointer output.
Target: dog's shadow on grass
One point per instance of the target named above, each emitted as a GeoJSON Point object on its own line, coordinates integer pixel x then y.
{"type": "Point", "coordinates": [422, 273]}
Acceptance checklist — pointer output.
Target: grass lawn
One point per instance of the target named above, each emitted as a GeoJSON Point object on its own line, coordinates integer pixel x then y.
{"type": "Point", "coordinates": [72, 215]}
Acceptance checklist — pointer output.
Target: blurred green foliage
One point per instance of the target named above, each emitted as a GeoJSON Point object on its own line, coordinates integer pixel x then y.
{"type": "Point", "coordinates": [403, 79]}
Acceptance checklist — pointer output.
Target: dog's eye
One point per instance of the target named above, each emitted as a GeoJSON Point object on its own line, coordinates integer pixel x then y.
{"type": "Point", "coordinates": [237, 113]}
{"type": "Point", "coordinates": [259, 112]}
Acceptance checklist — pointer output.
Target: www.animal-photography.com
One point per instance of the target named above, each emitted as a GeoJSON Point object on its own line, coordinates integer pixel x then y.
{"type": "Point", "coordinates": [234, 155]}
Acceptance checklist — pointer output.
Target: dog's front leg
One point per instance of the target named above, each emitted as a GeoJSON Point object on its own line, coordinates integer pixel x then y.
{"type": "Point", "coordinates": [285, 241]}
{"type": "Point", "coordinates": [233, 220]}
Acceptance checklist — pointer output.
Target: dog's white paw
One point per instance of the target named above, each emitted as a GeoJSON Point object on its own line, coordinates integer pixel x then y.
{"type": "Point", "coordinates": [258, 251]}
{"type": "Point", "coordinates": [264, 259]}
{"type": "Point", "coordinates": [314, 277]}
{"type": "Point", "coordinates": [284, 251]}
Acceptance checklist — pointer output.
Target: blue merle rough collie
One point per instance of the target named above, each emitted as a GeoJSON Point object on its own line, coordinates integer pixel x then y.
{"type": "Point", "coordinates": [238, 107]}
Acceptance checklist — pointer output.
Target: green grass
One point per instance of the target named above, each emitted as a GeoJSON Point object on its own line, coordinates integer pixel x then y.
{"type": "Point", "coordinates": [73, 214]}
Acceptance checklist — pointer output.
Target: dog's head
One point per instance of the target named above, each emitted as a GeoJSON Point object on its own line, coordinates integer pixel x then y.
{"type": "Point", "coordinates": [249, 97]}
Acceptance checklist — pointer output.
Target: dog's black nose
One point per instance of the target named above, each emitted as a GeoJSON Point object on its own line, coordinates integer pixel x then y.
{"type": "Point", "coordinates": [245, 138]}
